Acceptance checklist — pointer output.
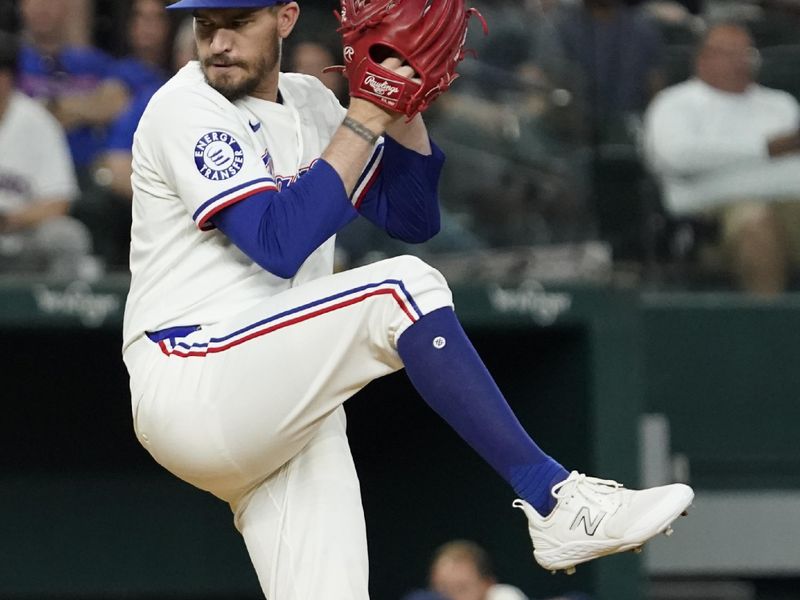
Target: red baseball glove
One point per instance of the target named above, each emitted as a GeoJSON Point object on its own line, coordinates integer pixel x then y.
{"type": "Point", "coordinates": [428, 35]}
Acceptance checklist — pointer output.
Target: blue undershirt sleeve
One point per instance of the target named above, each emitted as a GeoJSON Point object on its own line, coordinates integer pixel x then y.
{"type": "Point", "coordinates": [403, 200]}
{"type": "Point", "coordinates": [280, 230]}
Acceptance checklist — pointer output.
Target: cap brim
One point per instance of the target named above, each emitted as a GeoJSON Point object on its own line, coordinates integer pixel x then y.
{"type": "Point", "coordinates": [192, 4]}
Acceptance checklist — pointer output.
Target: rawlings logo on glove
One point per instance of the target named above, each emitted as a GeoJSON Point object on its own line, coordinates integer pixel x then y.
{"type": "Point", "coordinates": [428, 35]}
{"type": "Point", "coordinates": [383, 88]}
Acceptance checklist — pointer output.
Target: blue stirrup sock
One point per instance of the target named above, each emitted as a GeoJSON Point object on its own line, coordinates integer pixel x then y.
{"type": "Point", "coordinates": [447, 372]}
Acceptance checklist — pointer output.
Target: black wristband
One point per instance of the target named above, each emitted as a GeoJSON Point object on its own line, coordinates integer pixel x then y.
{"type": "Point", "coordinates": [361, 130]}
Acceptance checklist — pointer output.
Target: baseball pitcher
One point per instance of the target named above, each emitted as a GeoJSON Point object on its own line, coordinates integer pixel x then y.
{"type": "Point", "coordinates": [241, 343]}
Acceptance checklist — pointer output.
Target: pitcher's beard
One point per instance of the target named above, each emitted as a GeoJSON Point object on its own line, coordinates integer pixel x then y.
{"type": "Point", "coordinates": [235, 88]}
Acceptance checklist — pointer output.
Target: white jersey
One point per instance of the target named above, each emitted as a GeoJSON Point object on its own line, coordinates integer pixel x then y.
{"type": "Point", "coordinates": [193, 154]}
{"type": "Point", "coordinates": [249, 406]}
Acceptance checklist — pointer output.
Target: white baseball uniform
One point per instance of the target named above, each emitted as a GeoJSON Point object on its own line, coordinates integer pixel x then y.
{"type": "Point", "coordinates": [245, 399]}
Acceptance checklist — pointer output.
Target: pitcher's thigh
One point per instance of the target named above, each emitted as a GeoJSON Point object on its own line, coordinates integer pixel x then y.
{"type": "Point", "coordinates": [304, 527]}
{"type": "Point", "coordinates": [277, 370]}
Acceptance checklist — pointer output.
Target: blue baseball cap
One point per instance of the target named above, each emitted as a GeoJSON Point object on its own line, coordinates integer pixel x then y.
{"type": "Point", "coordinates": [190, 4]}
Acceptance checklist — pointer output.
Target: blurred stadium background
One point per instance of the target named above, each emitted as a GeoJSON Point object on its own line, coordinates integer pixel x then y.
{"type": "Point", "coordinates": [622, 355]}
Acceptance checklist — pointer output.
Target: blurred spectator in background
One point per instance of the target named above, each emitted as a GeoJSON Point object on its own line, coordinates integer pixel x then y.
{"type": "Point", "coordinates": [77, 84]}
{"type": "Point", "coordinates": [149, 39]}
{"type": "Point", "coordinates": [521, 33]}
{"type": "Point", "coordinates": [311, 58]}
{"type": "Point", "coordinates": [513, 132]}
{"type": "Point", "coordinates": [79, 21]}
{"type": "Point", "coordinates": [105, 204]}
{"type": "Point", "coordinates": [462, 570]}
{"type": "Point", "coordinates": [678, 25]}
{"type": "Point", "coordinates": [144, 70]}
{"type": "Point", "coordinates": [184, 48]}
{"type": "Point", "coordinates": [618, 53]}
{"type": "Point", "coordinates": [725, 146]}
{"type": "Point", "coordinates": [37, 184]}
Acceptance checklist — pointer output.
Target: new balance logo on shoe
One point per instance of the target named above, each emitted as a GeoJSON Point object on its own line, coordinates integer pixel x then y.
{"type": "Point", "coordinates": [582, 505]}
{"type": "Point", "coordinates": [590, 525]}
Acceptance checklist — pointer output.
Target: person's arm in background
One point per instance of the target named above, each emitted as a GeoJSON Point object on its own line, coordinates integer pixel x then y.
{"type": "Point", "coordinates": [98, 107]}
{"type": "Point", "coordinates": [784, 144]}
{"type": "Point", "coordinates": [679, 142]}
{"type": "Point", "coordinates": [789, 143]}
{"type": "Point", "coordinates": [33, 215]}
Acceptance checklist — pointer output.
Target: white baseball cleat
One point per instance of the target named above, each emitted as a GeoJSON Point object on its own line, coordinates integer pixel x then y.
{"type": "Point", "coordinates": [596, 517]}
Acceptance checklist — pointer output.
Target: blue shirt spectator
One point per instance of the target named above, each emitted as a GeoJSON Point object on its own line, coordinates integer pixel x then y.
{"type": "Point", "coordinates": [77, 84]}
{"type": "Point", "coordinates": [71, 72]}
{"type": "Point", "coordinates": [139, 76]}
{"type": "Point", "coordinates": [120, 135]}
{"type": "Point", "coordinates": [149, 35]}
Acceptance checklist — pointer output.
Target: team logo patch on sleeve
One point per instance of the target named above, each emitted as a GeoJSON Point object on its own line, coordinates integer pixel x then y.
{"type": "Point", "coordinates": [218, 156]}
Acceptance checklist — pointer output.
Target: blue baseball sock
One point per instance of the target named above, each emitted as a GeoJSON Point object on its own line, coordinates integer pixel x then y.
{"type": "Point", "coordinates": [450, 376]}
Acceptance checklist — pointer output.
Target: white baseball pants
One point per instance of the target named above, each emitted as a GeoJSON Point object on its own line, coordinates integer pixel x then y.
{"type": "Point", "coordinates": [250, 409]}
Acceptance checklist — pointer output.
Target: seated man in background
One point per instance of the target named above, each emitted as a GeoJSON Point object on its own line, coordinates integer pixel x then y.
{"type": "Point", "coordinates": [722, 145]}
{"type": "Point", "coordinates": [37, 184]}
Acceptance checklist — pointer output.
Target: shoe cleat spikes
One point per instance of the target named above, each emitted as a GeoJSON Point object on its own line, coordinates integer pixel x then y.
{"type": "Point", "coordinates": [668, 531]}
{"type": "Point", "coordinates": [570, 570]}
{"type": "Point", "coordinates": [637, 550]}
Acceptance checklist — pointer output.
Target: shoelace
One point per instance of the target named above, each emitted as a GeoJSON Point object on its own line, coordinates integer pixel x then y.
{"type": "Point", "coordinates": [583, 484]}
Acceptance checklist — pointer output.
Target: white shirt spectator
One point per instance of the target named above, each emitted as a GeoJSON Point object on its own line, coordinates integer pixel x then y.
{"type": "Point", "coordinates": [35, 163]}
{"type": "Point", "coordinates": [709, 147]}
{"type": "Point", "coordinates": [36, 170]}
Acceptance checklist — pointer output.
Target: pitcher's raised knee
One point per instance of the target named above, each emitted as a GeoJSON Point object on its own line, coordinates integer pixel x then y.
{"type": "Point", "coordinates": [425, 286]}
